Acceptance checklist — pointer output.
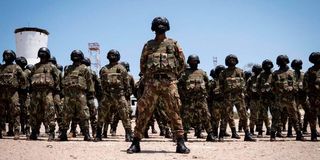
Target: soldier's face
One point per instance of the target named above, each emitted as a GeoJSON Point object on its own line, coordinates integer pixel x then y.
{"type": "Point", "coordinates": [7, 58]}
{"type": "Point", "coordinates": [232, 61]}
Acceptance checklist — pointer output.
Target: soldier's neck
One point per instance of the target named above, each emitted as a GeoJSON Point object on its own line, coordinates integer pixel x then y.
{"type": "Point", "coordinates": [8, 63]}
{"type": "Point", "coordinates": [76, 63]}
{"type": "Point", "coordinates": [160, 37]}
{"type": "Point", "coordinates": [284, 68]}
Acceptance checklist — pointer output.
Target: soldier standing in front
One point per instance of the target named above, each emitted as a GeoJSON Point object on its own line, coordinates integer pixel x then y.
{"type": "Point", "coordinates": [161, 62]}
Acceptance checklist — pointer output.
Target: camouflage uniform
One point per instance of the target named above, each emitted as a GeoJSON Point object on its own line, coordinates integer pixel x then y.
{"type": "Point", "coordinates": [77, 87]}
{"type": "Point", "coordinates": [44, 84]}
{"type": "Point", "coordinates": [25, 105]}
{"type": "Point", "coordinates": [193, 85]}
{"type": "Point", "coordinates": [11, 79]}
{"type": "Point", "coordinates": [114, 80]}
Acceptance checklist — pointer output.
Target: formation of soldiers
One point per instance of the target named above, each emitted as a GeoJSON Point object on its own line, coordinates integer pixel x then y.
{"type": "Point", "coordinates": [179, 96]}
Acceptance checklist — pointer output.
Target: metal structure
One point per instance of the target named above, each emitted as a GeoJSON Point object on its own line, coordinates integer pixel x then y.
{"type": "Point", "coordinates": [28, 42]}
{"type": "Point", "coordinates": [94, 50]}
{"type": "Point", "coordinates": [215, 61]}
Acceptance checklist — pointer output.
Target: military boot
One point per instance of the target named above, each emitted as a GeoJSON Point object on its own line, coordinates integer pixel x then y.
{"type": "Point", "coordinates": [198, 133]}
{"type": "Point", "coordinates": [221, 136]}
{"type": "Point", "coordinates": [248, 137]}
{"type": "Point", "coordinates": [273, 136]}
{"type": "Point", "coordinates": [181, 147]}
{"type": "Point", "coordinates": [299, 136]}
{"type": "Point", "coordinates": [211, 137]}
{"type": "Point", "coordinates": [314, 135]}
{"type": "Point", "coordinates": [289, 133]}
{"type": "Point", "coordinates": [94, 130]}
{"type": "Point", "coordinates": [185, 136]}
{"type": "Point", "coordinates": [63, 136]}
{"type": "Point", "coordinates": [234, 133]}
{"type": "Point", "coordinates": [10, 133]}
{"type": "Point", "coordinates": [135, 146]}
{"type": "Point", "coordinates": [279, 134]}
{"type": "Point", "coordinates": [1, 135]}
{"type": "Point", "coordinates": [268, 131]}
{"type": "Point", "coordinates": [16, 134]}
{"type": "Point", "coordinates": [252, 131]}
{"type": "Point", "coordinates": [51, 136]}
{"type": "Point", "coordinates": [33, 135]}
{"type": "Point", "coordinates": [161, 132]}
{"type": "Point", "coordinates": [86, 135]}
{"type": "Point", "coordinates": [98, 135]}
{"type": "Point", "coordinates": [167, 133]}
{"type": "Point", "coordinates": [128, 136]}
{"type": "Point", "coordinates": [145, 134]}
{"type": "Point", "coordinates": [227, 134]}
{"type": "Point", "coordinates": [113, 131]}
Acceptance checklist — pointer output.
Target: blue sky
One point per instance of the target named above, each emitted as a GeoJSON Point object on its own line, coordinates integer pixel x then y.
{"type": "Point", "coordinates": [251, 29]}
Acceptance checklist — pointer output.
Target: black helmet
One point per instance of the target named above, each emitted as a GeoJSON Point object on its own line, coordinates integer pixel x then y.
{"type": "Point", "coordinates": [160, 25]}
{"type": "Point", "coordinates": [126, 65]}
{"type": "Point", "coordinates": [212, 73]}
{"type": "Point", "coordinates": [53, 60]}
{"type": "Point", "coordinates": [256, 69]}
{"type": "Point", "coordinates": [229, 57]}
{"type": "Point", "coordinates": [219, 69]}
{"type": "Point", "coordinates": [193, 57]}
{"type": "Point", "coordinates": [86, 61]}
{"type": "Point", "coordinates": [314, 57]}
{"type": "Point", "coordinates": [77, 55]}
{"type": "Point", "coordinates": [21, 61]}
{"type": "Point", "coordinates": [30, 67]}
{"type": "Point", "coordinates": [296, 64]}
{"type": "Point", "coordinates": [267, 64]}
{"type": "Point", "coordinates": [60, 67]}
{"type": "Point", "coordinates": [282, 60]}
{"type": "Point", "coordinates": [44, 52]}
{"type": "Point", "coordinates": [247, 74]}
{"type": "Point", "coordinates": [11, 53]}
{"type": "Point", "coordinates": [113, 52]}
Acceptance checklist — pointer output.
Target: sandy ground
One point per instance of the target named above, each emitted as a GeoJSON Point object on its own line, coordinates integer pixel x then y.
{"type": "Point", "coordinates": [156, 147]}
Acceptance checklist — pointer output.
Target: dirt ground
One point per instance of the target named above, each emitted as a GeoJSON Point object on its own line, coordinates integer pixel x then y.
{"type": "Point", "coordinates": [156, 147]}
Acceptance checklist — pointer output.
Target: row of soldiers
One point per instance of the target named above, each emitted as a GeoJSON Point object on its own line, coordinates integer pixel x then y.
{"type": "Point", "coordinates": [40, 94]}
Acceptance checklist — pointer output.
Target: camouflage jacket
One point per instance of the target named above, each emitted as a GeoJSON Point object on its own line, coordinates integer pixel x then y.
{"type": "Point", "coordinates": [193, 83]}
{"type": "Point", "coordinates": [77, 77]}
{"type": "Point", "coordinates": [45, 76]}
{"type": "Point", "coordinates": [232, 80]}
{"type": "Point", "coordinates": [312, 81]}
{"type": "Point", "coordinates": [12, 76]}
{"type": "Point", "coordinates": [284, 82]}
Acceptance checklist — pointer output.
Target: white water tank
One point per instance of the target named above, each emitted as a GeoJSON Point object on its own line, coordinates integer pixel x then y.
{"type": "Point", "coordinates": [28, 42]}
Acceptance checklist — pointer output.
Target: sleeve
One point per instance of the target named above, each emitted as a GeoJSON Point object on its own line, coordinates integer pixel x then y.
{"type": "Point", "coordinates": [90, 85]}
{"type": "Point", "coordinates": [143, 59]}
{"type": "Point", "coordinates": [180, 57]}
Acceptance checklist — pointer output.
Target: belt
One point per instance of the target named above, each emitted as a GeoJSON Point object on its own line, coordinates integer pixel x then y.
{"type": "Point", "coordinates": [161, 76]}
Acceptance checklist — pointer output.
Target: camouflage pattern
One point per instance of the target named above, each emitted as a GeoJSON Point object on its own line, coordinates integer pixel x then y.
{"type": "Point", "coordinates": [77, 84]}
{"type": "Point", "coordinates": [232, 83]}
{"type": "Point", "coordinates": [45, 82]}
{"type": "Point", "coordinates": [92, 107]}
{"type": "Point", "coordinates": [12, 78]}
{"type": "Point", "coordinates": [193, 86]}
{"type": "Point", "coordinates": [25, 101]}
{"type": "Point", "coordinates": [252, 92]}
{"type": "Point", "coordinates": [114, 80]}
{"type": "Point", "coordinates": [160, 63]}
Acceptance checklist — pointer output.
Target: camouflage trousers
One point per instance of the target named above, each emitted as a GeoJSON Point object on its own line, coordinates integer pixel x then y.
{"type": "Point", "coordinates": [168, 92]}
{"type": "Point", "coordinates": [112, 105]}
{"type": "Point", "coordinates": [116, 117]}
{"type": "Point", "coordinates": [237, 99]}
{"type": "Point", "coordinates": [314, 111]}
{"type": "Point", "coordinates": [75, 107]}
{"type": "Point", "coordinates": [195, 113]}
{"type": "Point", "coordinates": [24, 111]}
{"type": "Point", "coordinates": [42, 109]}
{"type": "Point", "coordinates": [263, 107]}
{"type": "Point", "coordinates": [284, 103]}
{"type": "Point", "coordinates": [254, 108]}
{"type": "Point", "coordinates": [220, 115]}
{"type": "Point", "coordinates": [10, 107]}
{"type": "Point", "coordinates": [301, 101]}
{"type": "Point", "coordinates": [58, 106]}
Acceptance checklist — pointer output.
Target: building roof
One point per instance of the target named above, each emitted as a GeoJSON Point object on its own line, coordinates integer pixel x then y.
{"type": "Point", "coordinates": [31, 29]}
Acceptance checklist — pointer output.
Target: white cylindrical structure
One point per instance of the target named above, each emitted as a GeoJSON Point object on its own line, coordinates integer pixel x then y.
{"type": "Point", "coordinates": [28, 42]}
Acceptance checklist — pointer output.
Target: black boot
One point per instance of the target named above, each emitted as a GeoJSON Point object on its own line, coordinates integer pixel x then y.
{"type": "Point", "coordinates": [252, 131]}
{"type": "Point", "coordinates": [98, 135]}
{"type": "Point", "coordinates": [128, 136]}
{"type": "Point", "coordinates": [168, 133]}
{"type": "Point", "coordinates": [211, 137]}
{"type": "Point", "coordinates": [268, 131]}
{"type": "Point", "coordinates": [1, 135]}
{"type": "Point", "coordinates": [16, 134]}
{"type": "Point", "coordinates": [198, 132]}
{"type": "Point", "coordinates": [221, 135]}
{"type": "Point", "coordinates": [161, 132]}
{"type": "Point", "coordinates": [248, 137]}
{"type": "Point", "coordinates": [10, 133]}
{"type": "Point", "coordinates": [145, 134]}
{"type": "Point", "coordinates": [272, 136]}
{"type": "Point", "coordinates": [63, 136]}
{"type": "Point", "coordinates": [51, 136]}
{"type": "Point", "coordinates": [86, 135]}
{"type": "Point", "coordinates": [289, 133]}
{"type": "Point", "coordinates": [135, 146]}
{"type": "Point", "coordinates": [181, 147]}
{"type": "Point", "coordinates": [300, 136]}
{"type": "Point", "coordinates": [314, 135]}
{"type": "Point", "coordinates": [279, 134]}
{"type": "Point", "coordinates": [185, 136]}
{"type": "Point", "coordinates": [34, 135]}
{"type": "Point", "coordinates": [234, 133]}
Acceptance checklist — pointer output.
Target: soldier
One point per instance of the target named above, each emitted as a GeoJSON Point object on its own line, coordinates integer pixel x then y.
{"type": "Point", "coordinates": [252, 92]}
{"type": "Point", "coordinates": [232, 83]}
{"type": "Point", "coordinates": [44, 85]}
{"type": "Point", "coordinates": [24, 98]}
{"type": "Point", "coordinates": [312, 86]}
{"type": "Point", "coordinates": [11, 80]}
{"type": "Point", "coordinates": [161, 62]}
{"type": "Point", "coordinates": [266, 96]}
{"type": "Point", "coordinates": [284, 86]}
{"type": "Point", "coordinates": [114, 81]}
{"type": "Point", "coordinates": [78, 89]}
{"type": "Point", "coordinates": [128, 94]}
{"type": "Point", "coordinates": [247, 75]}
{"type": "Point", "coordinates": [193, 85]}
{"type": "Point", "coordinates": [300, 97]}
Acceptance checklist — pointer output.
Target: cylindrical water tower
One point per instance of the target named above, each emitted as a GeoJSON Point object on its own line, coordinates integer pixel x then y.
{"type": "Point", "coordinates": [28, 42]}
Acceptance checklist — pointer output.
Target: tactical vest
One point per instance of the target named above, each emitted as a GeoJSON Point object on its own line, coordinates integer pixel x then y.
{"type": "Point", "coordinates": [162, 57]}
{"type": "Point", "coordinates": [284, 82]}
{"type": "Point", "coordinates": [317, 81]}
{"type": "Point", "coordinates": [234, 82]}
{"type": "Point", "coordinates": [112, 79]}
{"type": "Point", "coordinates": [74, 78]}
{"type": "Point", "coordinates": [42, 76]}
{"type": "Point", "coordinates": [265, 83]}
{"type": "Point", "coordinates": [253, 86]}
{"type": "Point", "coordinates": [195, 82]}
{"type": "Point", "coordinates": [8, 77]}
{"type": "Point", "coordinates": [300, 80]}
